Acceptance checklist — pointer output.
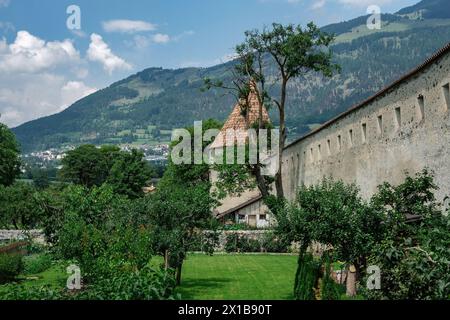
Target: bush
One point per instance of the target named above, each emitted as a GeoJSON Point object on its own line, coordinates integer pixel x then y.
{"type": "Point", "coordinates": [237, 243]}
{"type": "Point", "coordinates": [330, 290]}
{"type": "Point", "coordinates": [271, 243]}
{"type": "Point", "coordinates": [35, 264]}
{"type": "Point", "coordinates": [11, 265]}
{"type": "Point", "coordinates": [143, 284]}
{"type": "Point", "coordinates": [306, 277]}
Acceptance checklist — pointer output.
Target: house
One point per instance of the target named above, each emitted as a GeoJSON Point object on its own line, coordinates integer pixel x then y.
{"type": "Point", "coordinates": [246, 208]}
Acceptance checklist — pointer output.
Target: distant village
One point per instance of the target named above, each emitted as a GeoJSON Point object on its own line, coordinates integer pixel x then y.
{"type": "Point", "coordinates": [51, 158]}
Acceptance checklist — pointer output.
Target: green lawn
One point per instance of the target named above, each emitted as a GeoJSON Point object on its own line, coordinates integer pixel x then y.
{"type": "Point", "coordinates": [54, 277]}
{"type": "Point", "coordinates": [238, 277]}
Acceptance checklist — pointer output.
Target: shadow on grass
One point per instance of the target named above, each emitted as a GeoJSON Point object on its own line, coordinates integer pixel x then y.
{"type": "Point", "coordinates": [190, 288]}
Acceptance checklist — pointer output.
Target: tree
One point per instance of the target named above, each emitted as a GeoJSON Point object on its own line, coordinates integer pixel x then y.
{"type": "Point", "coordinates": [182, 208]}
{"type": "Point", "coordinates": [334, 215]}
{"type": "Point", "coordinates": [18, 206]}
{"type": "Point", "coordinates": [294, 52]}
{"type": "Point", "coordinates": [88, 165]}
{"type": "Point", "coordinates": [9, 156]}
{"type": "Point", "coordinates": [413, 256]}
{"type": "Point", "coordinates": [40, 179]}
{"type": "Point", "coordinates": [129, 174]}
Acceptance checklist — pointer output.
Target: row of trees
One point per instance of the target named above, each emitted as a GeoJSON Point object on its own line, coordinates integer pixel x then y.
{"type": "Point", "coordinates": [413, 256]}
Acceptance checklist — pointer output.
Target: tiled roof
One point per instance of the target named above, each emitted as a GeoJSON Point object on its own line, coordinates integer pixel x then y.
{"type": "Point", "coordinates": [240, 122]}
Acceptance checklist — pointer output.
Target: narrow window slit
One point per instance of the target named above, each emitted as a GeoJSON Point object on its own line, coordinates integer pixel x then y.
{"type": "Point", "coordinates": [446, 89]}
{"type": "Point", "coordinates": [421, 103]}
{"type": "Point", "coordinates": [364, 132]}
{"type": "Point", "coordinates": [398, 117]}
{"type": "Point", "coordinates": [380, 124]}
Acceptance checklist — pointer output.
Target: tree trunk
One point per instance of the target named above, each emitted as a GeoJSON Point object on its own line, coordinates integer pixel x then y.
{"type": "Point", "coordinates": [166, 260]}
{"type": "Point", "coordinates": [279, 175]}
{"type": "Point", "coordinates": [351, 281]}
{"type": "Point", "coordinates": [178, 274]}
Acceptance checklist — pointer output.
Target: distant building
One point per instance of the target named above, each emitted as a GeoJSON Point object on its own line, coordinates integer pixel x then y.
{"type": "Point", "coordinates": [249, 207]}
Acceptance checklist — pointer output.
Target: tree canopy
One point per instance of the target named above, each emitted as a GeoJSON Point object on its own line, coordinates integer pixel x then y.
{"type": "Point", "coordinates": [9, 156]}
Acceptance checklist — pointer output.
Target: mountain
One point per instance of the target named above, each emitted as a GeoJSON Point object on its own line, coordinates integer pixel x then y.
{"type": "Point", "coordinates": [145, 107]}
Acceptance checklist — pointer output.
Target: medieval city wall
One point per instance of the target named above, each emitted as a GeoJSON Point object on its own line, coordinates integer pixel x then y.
{"type": "Point", "coordinates": [405, 128]}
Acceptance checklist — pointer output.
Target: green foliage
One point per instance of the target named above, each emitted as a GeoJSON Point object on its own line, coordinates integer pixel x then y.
{"type": "Point", "coordinates": [306, 277]}
{"type": "Point", "coordinates": [18, 206]}
{"type": "Point", "coordinates": [11, 266]}
{"type": "Point", "coordinates": [129, 174]}
{"type": "Point", "coordinates": [40, 179]}
{"type": "Point", "coordinates": [413, 257]}
{"type": "Point", "coordinates": [88, 165]}
{"type": "Point", "coordinates": [181, 208]}
{"type": "Point", "coordinates": [332, 213]}
{"type": "Point", "coordinates": [37, 263]}
{"type": "Point", "coordinates": [329, 289]}
{"type": "Point", "coordinates": [9, 157]}
{"type": "Point", "coordinates": [273, 243]}
{"type": "Point", "coordinates": [242, 244]}
{"type": "Point", "coordinates": [143, 284]}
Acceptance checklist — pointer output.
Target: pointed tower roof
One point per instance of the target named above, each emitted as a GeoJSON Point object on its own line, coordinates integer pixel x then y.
{"type": "Point", "coordinates": [241, 121]}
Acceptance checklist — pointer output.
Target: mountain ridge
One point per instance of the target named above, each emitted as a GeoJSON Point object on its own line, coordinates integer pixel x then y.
{"type": "Point", "coordinates": [146, 106]}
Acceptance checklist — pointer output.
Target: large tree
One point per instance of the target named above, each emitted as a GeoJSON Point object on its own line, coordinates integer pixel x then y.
{"type": "Point", "coordinates": [88, 165]}
{"type": "Point", "coordinates": [292, 51]}
{"type": "Point", "coordinates": [130, 173]}
{"type": "Point", "coordinates": [9, 156]}
{"type": "Point", "coordinates": [18, 206]}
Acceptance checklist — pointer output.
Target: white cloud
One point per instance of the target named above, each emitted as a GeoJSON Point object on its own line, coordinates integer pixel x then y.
{"type": "Point", "coordinates": [318, 4]}
{"type": "Point", "coordinates": [364, 3]}
{"type": "Point", "coordinates": [160, 38]}
{"type": "Point", "coordinates": [128, 26]}
{"type": "Point", "coordinates": [36, 77]}
{"type": "Point", "coordinates": [4, 3]}
{"type": "Point", "coordinates": [73, 91]}
{"type": "Point", "coordinates": [100, 52]}
{"type": "Point", "coordinates": [30, 54]}
{"type": "Point", "coordinates": [27, 97]}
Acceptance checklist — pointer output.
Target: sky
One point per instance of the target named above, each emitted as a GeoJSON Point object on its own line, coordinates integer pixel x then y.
{"type": "Point", "coordinates": [54, 52]}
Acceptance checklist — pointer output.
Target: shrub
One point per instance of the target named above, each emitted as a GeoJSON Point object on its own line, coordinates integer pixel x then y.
{"type": "Point", "coordinates": [272, 243]}
{"type": "Point", "coordinates": [306, 277]}
{"type": "Point", "coordinates": [35, 264]}
{"type": "Point", "coordinates": [143, 284]}
{"type": "Point", "coordinates": [241, 243]}
{"type": "Point", "coordinates": [330, 290]}
{"type": "Point", "coordinates": [11, 266]}
{"type": "Point", "coordinates": [231, 244]}
{"type": "Point", "coordinates": [249, 245]}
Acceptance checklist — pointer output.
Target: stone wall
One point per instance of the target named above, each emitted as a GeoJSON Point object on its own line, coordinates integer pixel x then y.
{"type": "Point", "coordinates": [406, 128]}
{"type": "Point", "coordinates": [15, 235]}
{"type": "Point", "coordinates": [249, 234]}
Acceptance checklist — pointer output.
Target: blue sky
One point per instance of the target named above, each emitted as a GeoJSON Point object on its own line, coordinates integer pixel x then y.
{"type": "Point", "coordinates": [44, 66]}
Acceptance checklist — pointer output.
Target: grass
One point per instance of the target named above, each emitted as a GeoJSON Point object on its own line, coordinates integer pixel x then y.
{"type": "Point", "coordinates": [238, 277]}
{"type": "Point", "coordinates": [54, 277]}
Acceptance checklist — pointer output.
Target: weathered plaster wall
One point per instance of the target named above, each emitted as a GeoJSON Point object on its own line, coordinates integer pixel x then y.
{"type": "Point", "coordinates": [379, 141]}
